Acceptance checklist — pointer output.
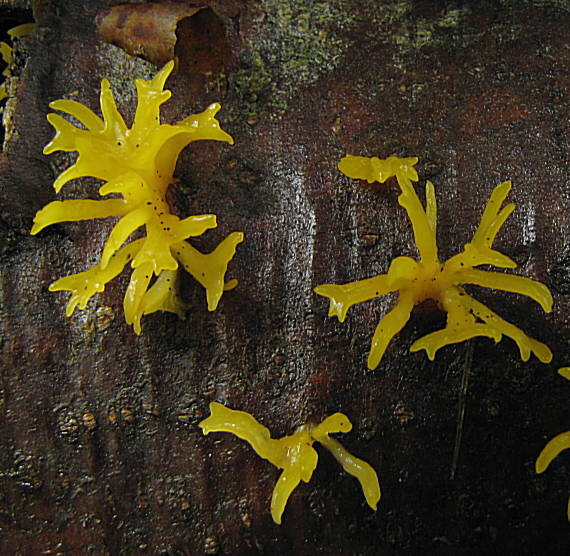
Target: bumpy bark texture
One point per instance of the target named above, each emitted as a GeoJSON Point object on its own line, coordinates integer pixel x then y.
{"type": "Point", "coordinates": [100, 452]}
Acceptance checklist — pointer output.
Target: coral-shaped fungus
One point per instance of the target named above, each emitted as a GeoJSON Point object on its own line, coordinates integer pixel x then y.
{"type": "Point", "coordinates": [137, 163]}
{"type": "Point", "coordinates": [555, 445]}
{"type": "Point", "coordinates": [295, 453]}
{"type": "Point", "coordinates": [428, 278]}
{"type": "Point", "coordinates": [6, 51]}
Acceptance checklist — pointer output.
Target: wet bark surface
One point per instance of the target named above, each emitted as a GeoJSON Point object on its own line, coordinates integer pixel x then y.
{"type": "Point", "coordinates": [100, 449]}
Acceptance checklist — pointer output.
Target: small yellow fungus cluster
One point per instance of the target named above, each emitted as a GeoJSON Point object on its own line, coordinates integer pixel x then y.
{"type": "Point", "coordinates": [137, 163]}
{"type": "Point", "coordinates": [6, 51]}
{"type": "Point", "coordinates": [555, 445]}
{"type": "Point", "coordinates": [295, 453]}
{"type": "Point", "coordinates": [428, 278]}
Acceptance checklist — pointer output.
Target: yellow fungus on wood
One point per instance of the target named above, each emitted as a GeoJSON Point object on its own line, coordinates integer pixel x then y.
{"type": "Point", "coordinates": [137, 163]}
{"type": "Point", "coordinates": [429, 278]}
{"type": "Point", "coordinates": [6, 51]}
{"type": "Point", "coordinates": [295, 453]}
{"type": "Point", "coordinates": [6, 55]}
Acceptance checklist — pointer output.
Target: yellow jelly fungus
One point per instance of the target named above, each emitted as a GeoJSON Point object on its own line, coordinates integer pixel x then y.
{"type": "Point", "coordinates": [6, 54]}
{"type": "Point", "coordinates": [555, 445]}
{"type": "Point", "coordinates": [21, 30]}
{"type": "Point", "coordinates": [295, 453]}
{"type": "Point", "coordinates": [6, 51]}
{"type": "Point", "coordinates": [137, 163]}
{"type": "Point", "coordinates": [375, 169]}
{"type": "Point", "coordinates": [428, 278]}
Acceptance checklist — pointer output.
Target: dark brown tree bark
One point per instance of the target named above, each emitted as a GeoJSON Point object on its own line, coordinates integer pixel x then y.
{"type": "Point", "coordinates": [100, 452]}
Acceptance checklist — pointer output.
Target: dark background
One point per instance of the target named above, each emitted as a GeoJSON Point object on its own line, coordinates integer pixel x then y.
{"type": "Point", "coordinates": [100, 452]}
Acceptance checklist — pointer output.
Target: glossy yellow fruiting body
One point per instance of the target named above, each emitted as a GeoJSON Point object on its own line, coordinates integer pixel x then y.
{"type": "Point", "coordinates": [428, 278]}
{"type": "Point", "coordinates": [6, 55]}
{"type": "Point", "coordinates": [295, 453]}
{"type": "Point", "coordinates": [137, 163]}
{"type": "Point", "coordinates": [6, 51]}
{"type": "Point", "coordinates": [555, 445]}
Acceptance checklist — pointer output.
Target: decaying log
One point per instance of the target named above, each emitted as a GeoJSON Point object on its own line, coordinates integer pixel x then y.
{"type": "Point", "coordinates": [100, 452]}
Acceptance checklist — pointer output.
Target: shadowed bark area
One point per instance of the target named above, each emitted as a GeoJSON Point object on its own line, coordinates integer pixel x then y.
{"type": "Point", "coordinates": [100, 452]}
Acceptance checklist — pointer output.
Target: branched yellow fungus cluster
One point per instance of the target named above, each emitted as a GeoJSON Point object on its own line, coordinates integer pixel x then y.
{"type": "Point", "coordinates": [6, 51]}
{"type": "Point", "coordinates": [555, 445]}
{"type": "Point", "coordinates": [137, 163]}
{"type": "Point", "coordinates": [295, 453]}
{"type": "Point", "coordinates": [428, 278]}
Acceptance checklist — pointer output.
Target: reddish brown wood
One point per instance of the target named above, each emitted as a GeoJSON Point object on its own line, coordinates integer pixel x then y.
{"type": "Point", "coordinates": [100, 449]}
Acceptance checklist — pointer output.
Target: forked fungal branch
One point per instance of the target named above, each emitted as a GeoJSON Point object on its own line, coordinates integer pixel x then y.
{"type": "Point", "coordinates": [137, 163]}
{"type": "Point", "coordinates": [295, 453]}
{"type": "Point", "coordinates": [428, 278]}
